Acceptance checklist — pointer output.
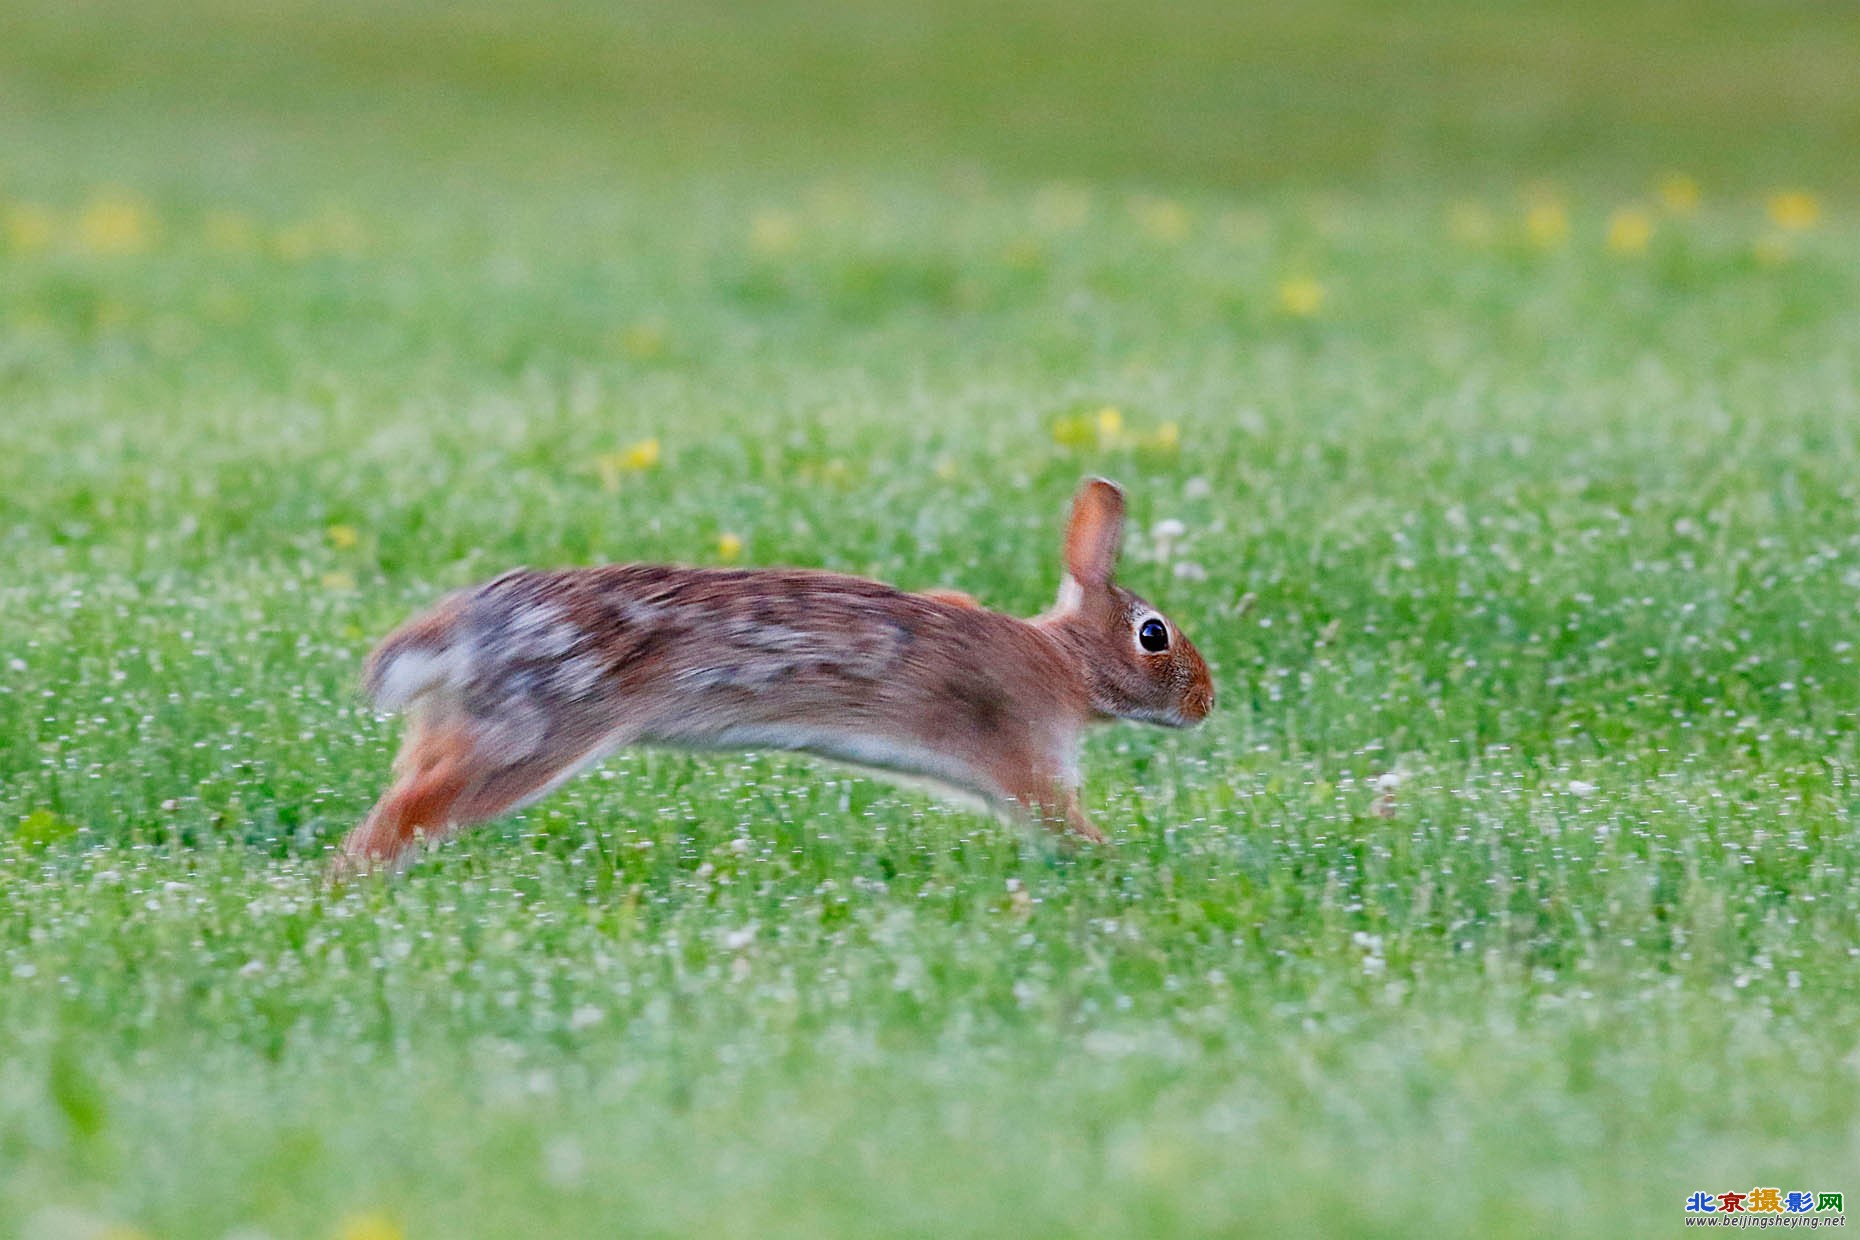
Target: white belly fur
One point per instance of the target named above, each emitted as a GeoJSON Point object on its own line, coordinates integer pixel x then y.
{"type": "Point", "coordinates": [898, 762]}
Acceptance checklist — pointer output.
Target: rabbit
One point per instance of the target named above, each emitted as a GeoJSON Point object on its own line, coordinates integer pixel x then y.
{"type": "Point", "coordinates": [515, 685]}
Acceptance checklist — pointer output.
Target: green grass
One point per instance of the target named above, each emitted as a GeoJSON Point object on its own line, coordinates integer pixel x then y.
{"type": "Point", "coordinates": [1513, 889]}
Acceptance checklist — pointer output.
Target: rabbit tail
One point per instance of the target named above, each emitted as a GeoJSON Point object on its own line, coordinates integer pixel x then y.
{"type": "Point", "coordinates": [414, 661]}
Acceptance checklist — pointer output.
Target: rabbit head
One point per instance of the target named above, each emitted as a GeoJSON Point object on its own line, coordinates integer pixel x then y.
{"type": "Point", "coordinates": [1136, 662]}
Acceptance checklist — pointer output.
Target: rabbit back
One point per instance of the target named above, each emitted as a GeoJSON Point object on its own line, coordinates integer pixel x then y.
{"type": "Point", "coordinates": [735, 658]}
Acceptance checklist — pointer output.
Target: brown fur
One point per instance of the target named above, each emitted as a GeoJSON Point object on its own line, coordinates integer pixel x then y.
{"type": "Point", "coordinates": [515, 684]}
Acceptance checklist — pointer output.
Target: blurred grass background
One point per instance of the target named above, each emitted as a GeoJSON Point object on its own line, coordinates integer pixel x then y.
{"type": "Point", "coordinates": [1498, 364]}
{"type": "Point", "coordinates": [198, 95]}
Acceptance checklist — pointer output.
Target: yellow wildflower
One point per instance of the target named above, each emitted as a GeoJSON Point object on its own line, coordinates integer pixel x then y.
{"type": "Point", "coordinates": [344, 537]}
{"type": "Point", "coordinates": [1106, 429]}
{"type": "Point", "coordinates": [729, 546]}
{"type": "Point", "coordinates": [295, 242]}
{"type": "Point", "coordinates": [1301, 297]}
{"type": "Point", "coordinates": [1162, 219]}
{"type": "Point", "coordinates": [643, 341]}
{"type": "Point", "coordinates": [338, 582]}
{"type": "Point", "coordinates": [1165, 438]}
{"type": "Point", "coordinates": [29, 227]}
{"type": "Point", "coordinates": [1022, 255]}
{"type": "Point", "coordinates": [1772, 249]}
{"type": "Point", "coordinates": [1079, 430]}
{"type": "Point", "coordinates": [632, 459]}
{"type": "Point", "coordinates": [1546, 223]}
{"type": "Point", "coordinates": [371, 1225]}
{"type": "Point", "coordinates": [641, 455]}
{"type": "Point", "coordinates": [116, 224]}
{"type": "Point", "coordinates": [1629, 231]}
{"type": "Point", "coordinates": [224, 304]}
{"type": "Point", "coordinates": [1794, 210]}
{"type": "Point", "coordinates": [334, 231]}
{"type": "Point", "coordinates": [774, 232]}
{"type": "Point", "coordinates": [1679, 193]}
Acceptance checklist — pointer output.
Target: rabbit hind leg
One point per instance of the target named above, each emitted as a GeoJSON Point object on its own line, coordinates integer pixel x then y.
{"type": "Point", "coordinates": [435, 767]}
{"type": "Point", "coordinates": [447, 778]}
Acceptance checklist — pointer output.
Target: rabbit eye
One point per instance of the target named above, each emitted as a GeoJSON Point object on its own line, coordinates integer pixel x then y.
{"type": "Point", "coordinates": [1153, 635]}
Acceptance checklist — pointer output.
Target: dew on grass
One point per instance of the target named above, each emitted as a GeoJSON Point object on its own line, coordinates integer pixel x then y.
{"type": "Point", "coordinates": [1591, 595]}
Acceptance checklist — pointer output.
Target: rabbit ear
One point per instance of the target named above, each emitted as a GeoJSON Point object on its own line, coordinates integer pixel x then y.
{"type": "Point", "coordinates": [1095, 533]}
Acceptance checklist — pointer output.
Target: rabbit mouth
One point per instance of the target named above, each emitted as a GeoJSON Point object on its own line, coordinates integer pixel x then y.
{"type": "Point", "coordinates": [1171, 717]}
{"type": "Point", "coordinates": [1196, 707]}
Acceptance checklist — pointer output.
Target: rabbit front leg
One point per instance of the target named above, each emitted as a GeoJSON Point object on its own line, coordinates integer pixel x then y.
{"type": "Point", "coordinates": [1058, 809]}
{"type": "Point", "coordinates": [1080, 823]}
{"type": "Point", "coordinates": [1051, 799]}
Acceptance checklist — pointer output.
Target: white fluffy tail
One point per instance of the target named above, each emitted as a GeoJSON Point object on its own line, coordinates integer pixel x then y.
{"type": "Point", "coordinates": [413, 662]}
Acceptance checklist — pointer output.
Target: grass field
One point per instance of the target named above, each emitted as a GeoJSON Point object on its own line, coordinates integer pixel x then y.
{"type": "Point", "coordinates": [1502, 367]}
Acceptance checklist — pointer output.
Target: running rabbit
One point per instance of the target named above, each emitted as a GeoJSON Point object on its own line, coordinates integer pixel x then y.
{"type": "Point", "coordinates": [514, 686]}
